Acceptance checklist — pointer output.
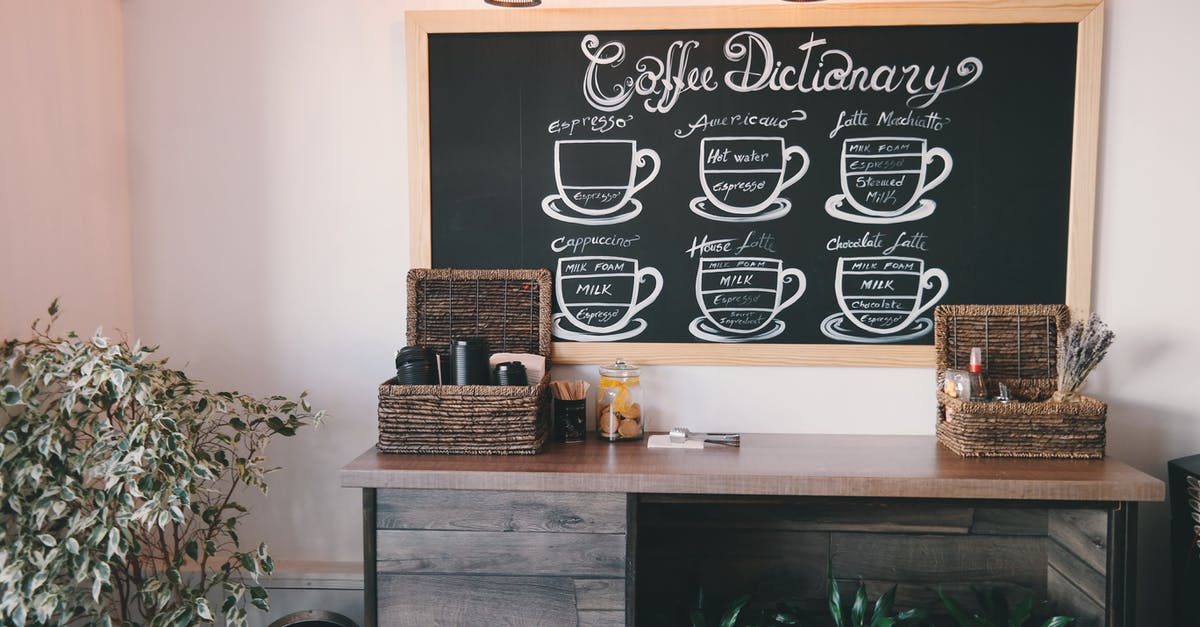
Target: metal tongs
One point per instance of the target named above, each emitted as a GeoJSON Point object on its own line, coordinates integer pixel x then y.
{"type": "Point", "coordinates": [680, 435]}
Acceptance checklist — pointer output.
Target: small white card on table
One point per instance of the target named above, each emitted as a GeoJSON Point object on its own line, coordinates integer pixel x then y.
{"type": "Point", "coordinates": [664, 441]}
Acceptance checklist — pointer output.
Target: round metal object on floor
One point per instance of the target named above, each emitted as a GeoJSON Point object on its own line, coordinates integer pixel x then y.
{"type": "Point", "coordinates": [314, 618]}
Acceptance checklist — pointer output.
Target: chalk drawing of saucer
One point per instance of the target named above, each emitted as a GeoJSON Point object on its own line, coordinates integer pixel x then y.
{"type": "Point", "coordinates": [838, 328]}
{"type": "Point", "coordinates": [704, 329]}
{"type": "Point", "coordinates": [562, 328]}
{"type": "Point", "coordinates": [704, 208]}
{"type": "Point", "coordinates": [559, 210]}
{"type": "Point", "coordinates": [833, 207]}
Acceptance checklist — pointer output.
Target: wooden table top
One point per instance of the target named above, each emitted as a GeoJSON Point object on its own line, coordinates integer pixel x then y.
{"type": "Point", "coordinates": [766, 464]}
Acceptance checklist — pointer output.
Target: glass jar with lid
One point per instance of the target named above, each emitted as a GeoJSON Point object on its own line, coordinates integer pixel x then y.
{"type": "Point", "coordinates": [619, 403]}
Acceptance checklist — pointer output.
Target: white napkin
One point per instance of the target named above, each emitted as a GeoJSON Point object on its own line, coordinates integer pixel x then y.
{"type": "Point", "coordinates": [535, 365]}
{"type": "Point", "coordinates": [664, 441]}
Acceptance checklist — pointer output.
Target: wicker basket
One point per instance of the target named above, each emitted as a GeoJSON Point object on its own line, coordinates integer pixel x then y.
{"type": "Point", "coordinates": [511, 308]}
{"type": "Point", "coordinates": [1020, 349]}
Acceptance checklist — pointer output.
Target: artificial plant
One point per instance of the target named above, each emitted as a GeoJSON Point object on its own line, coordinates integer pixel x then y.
{"type": "Point", "coordinates": [994, 611]}
{"type": "Point", "coordinates": [881, 615]}
{"type": "Point", "coordinates": [119, 484]}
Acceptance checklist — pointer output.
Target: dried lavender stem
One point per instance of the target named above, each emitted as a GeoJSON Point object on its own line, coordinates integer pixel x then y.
{"type": "Point", "coordinates": [1083, 348]}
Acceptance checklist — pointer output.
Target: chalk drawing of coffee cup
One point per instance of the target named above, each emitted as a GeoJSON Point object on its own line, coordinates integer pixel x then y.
{"type": "Point", "coordinates": [598, 297]}
{"type": "Point", "coordinates": [740, 297]}
{"type": "Point", "coordinates": [597, 179]}
{"type": "Point", "coordinates": [884, 295]}
{"type": "Point", "coordinates": [884, 180]}
{"type": "Point", "coordinates": [743, 177]}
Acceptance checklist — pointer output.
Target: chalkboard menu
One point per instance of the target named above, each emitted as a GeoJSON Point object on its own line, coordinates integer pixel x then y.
{"type": "Point", "coordinates": [800, 186]}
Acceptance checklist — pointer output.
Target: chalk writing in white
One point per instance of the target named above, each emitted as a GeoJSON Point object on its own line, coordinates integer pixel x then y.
{"type": "Point", "coordinates": [882, 297]}
{"type": "Point", "coordinates": [741, 297]}
{"type": "Point", "coordinates": [577, 245]}
{"type": "Point", "coordinates": [597, 179]}
{"type": "Point", "coordinates": [598, 297]}
{"type": "Point", "coordinates": [663, 80]}
{"type": "Point", "coordinates": [884, 180]}
{"type": "Point", "coordinates": [859, 118]}
{"type": "Point", "coordinates": [742, 178]}
{"type": "Point", "coordinates": [708, 122]}
{"type": "Point", "coordinates": [593, 123]}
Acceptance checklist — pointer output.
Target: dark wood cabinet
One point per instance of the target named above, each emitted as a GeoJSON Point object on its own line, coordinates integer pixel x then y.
{"type": "Point", "coordinates": [610, 534]}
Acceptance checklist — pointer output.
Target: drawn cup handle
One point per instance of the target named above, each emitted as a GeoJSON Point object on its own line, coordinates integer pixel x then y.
{"type": "Point", "coordinates": [801, 284]}
{"type": "Point", "coordinates": [638, 278]}
{"type": "Point", "coordinates": [948, 162]}
{"type": "Point", "coordinates": [639, 158]}
{"type": "Point", "coordinates": [788, 153]}
{"type": "Point", "coordinates": [925, 283]}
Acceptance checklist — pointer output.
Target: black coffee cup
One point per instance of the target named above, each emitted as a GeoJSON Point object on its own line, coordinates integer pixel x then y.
{"type": "Point", "coordinates": [469, 361]}
{"type": "Point", "coordinates": [510, 373]}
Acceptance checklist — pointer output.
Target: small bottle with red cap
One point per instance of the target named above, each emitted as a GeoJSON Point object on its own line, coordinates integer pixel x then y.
{"type": "Point", "coordinates": [975, 371]}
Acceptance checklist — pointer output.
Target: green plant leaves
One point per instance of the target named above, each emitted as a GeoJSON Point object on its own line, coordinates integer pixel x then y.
{"type": "Point", "coordinates": [110, 453]}
{"type": "Point", "coordinates": [994, 611]}
{"type": "Point", "coordinates": [993, 605]}
{"type": "Point", "coordinates": [1021, 612]}
{"type": "Point", "coordinates": [956, 612]}
{"type": "Point", "coordinates": [11, 395]}
{"type": "Point", "coordinates": [202, 609]}
{"type": "Point", "coordinates": [835, 601]}
{"type": "Point", "coordinates": [858, 611]}
{"type": "Point", "coordinates": [783, 617]}
{"type": "Point", "coordinates": [729, 619]}
{"type": "Point", "coordinates": [883, 607]}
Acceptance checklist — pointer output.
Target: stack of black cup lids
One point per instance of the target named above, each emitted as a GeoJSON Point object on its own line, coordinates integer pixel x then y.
{"type": "Point", "coordinates": [416, 365]}
{"type": "Point", "coordinates": [510, 373]}
{"type": "Point", "coordinates": [469, 361]}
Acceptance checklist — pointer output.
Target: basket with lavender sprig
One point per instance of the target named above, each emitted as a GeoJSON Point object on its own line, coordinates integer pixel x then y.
{"type": "Point", "coordinates": [1082, 349]}
{"type": "Point", "coordinates": [1026, 348]}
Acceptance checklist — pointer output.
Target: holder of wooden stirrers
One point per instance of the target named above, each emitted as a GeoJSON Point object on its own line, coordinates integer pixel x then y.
{"type": "Point", "coordinates": [570, 410]}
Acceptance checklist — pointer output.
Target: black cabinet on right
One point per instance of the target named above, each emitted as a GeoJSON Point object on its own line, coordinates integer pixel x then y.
{"type": "Point", "coordinates": [1184, 494]}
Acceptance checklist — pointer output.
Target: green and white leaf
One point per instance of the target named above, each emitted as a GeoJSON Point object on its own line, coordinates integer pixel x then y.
{"type": "Point", "coordinates": [104, 452]}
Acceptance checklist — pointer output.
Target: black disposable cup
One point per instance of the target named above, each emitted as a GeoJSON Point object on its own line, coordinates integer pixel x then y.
{"type": "Point", "coordinates": [416, 365]}
{"type": "Point", "coordinates": [570, 419]}
{"type": "Point", "coordinates": [417, 373]}
{"type": "Point", "coordinates": [469, 361]}
{"type": "Point", "coordinates": [510, 373]}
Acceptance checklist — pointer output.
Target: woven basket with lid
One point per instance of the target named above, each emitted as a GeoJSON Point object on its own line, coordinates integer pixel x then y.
{"type": "Point", "coordinates": [511, 309]}
{"type": "Point", "coordinates": [1020, 349]}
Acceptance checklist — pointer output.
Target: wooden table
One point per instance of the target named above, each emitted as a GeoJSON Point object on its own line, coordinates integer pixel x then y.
{"type": "Point", "coordinates": [555, 537]}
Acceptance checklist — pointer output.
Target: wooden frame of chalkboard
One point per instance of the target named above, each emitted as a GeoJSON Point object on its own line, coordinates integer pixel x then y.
{"type": "Point", "coordinates": [1075, 200]}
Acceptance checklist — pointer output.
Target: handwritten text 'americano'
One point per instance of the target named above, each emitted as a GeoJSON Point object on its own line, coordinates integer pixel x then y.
{"type": "Point", "coordinates": [663, 80]}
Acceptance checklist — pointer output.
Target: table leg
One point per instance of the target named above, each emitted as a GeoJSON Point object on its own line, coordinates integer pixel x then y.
{"type": "Point", "coordinates": [1122, 565]}
{"type": "Point", "coordinates": [370, 595]}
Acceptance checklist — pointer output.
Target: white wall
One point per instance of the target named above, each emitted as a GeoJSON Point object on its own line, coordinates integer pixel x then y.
{"type": "Point", "coordinates": [1146, 247]}
{"type": "Point", "coordinates": [267, 151]}
{"type": "Point", "coordinates": [64, 196]}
